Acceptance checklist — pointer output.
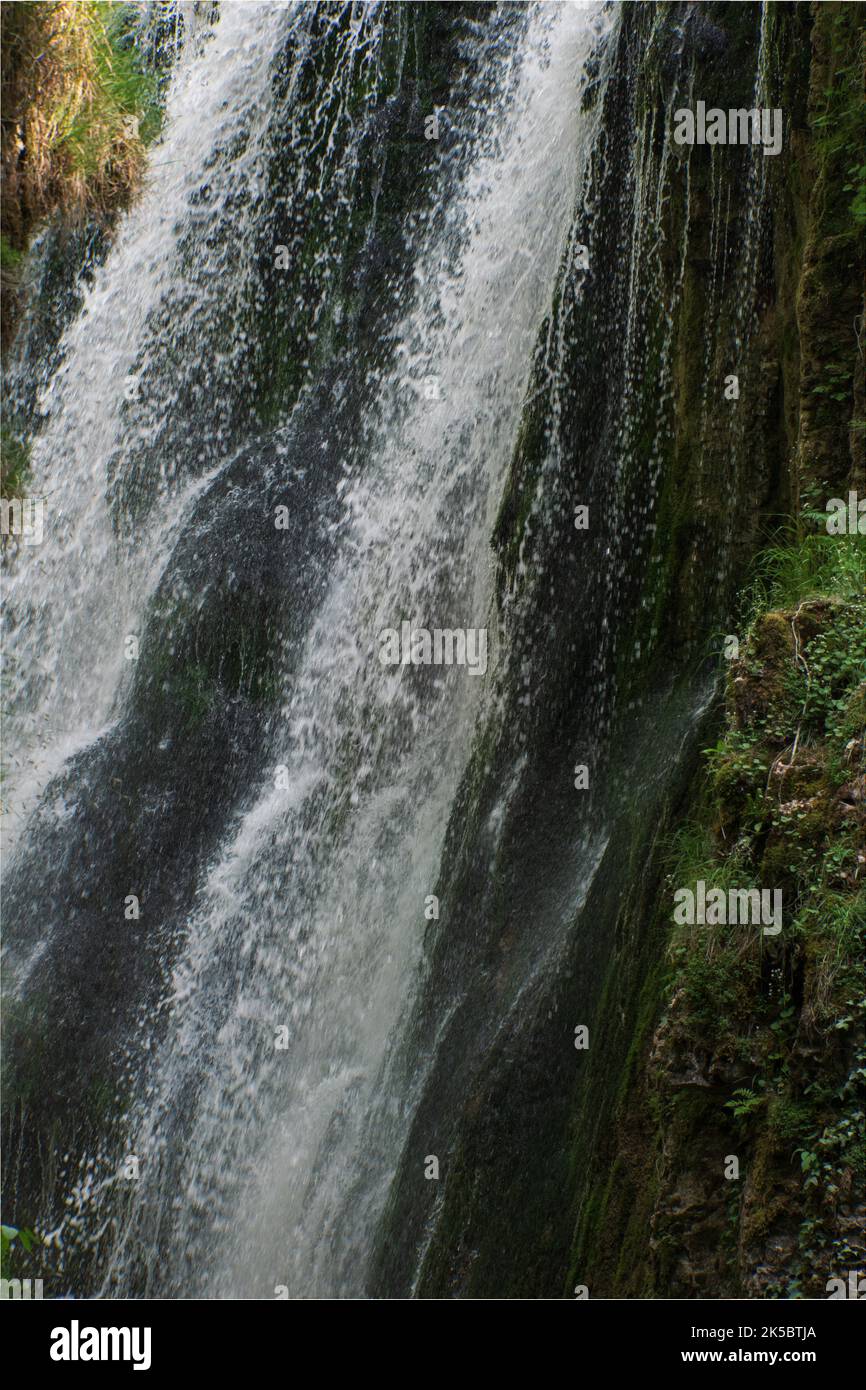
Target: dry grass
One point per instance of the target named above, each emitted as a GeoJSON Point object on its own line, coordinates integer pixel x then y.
{"type": "Point", "coordinates": [77, 111]}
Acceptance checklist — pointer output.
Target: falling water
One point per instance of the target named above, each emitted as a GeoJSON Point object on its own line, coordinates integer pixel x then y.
{"type": "Point", "coordinates": [308, 923]}
{"type": "Point", "coordinates": [312, 918]}
{"type": "Point", "coordinates": [70, 603]}
{"type": "Point", "coordinates": [200, 722]}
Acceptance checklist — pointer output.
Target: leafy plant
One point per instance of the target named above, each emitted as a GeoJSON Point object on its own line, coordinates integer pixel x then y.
{"type": "Point", "coordinates": [745, 1102]}
{"type": "Point", "coordinates": [9, 1237]}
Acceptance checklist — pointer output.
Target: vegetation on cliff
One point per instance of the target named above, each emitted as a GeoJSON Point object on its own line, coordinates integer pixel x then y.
{"type": "Point", "coordinates": [78, 111]}
{"type": "Point", "coordinates": [737, 1044]}
{"type": "Point", "coordinates": [760, 1050]}
{"type": "Point", "coordinates": [14, 464]}
{"type": "Point", "coordinates": [750, 1046]}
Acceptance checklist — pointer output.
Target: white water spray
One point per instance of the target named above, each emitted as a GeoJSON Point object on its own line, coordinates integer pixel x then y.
{"type": "Point", "coordinates": [312, 920]}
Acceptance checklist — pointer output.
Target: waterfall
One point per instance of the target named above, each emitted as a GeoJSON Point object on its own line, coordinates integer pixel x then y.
{"type": "Point", "coordinates": [71, 603]}
{"type": "Point", "coordinates": [297, 914]}
{"type": "Point", "coordinates": [408, 292]}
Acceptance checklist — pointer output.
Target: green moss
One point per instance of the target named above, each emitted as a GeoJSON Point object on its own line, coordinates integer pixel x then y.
{"type": "Point", "coordinates": [14, 464]}
{"type": "Point", "coordinates": [839, 121]}
{"type": "Point", "coordinates": [743, 1045]}
{"type": "Point", "coordinates": [10, 259]}
{"type": "Point", "coordinates": [757, 1012]}
{"type": "Point", "coordinates": [331, 304]}
{"type": "Point", "coordinates": [830, 294]}
{"type": "Point", "coordinates": [510, 529]}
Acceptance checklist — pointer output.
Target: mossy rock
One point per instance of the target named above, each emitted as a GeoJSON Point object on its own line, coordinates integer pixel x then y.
{"type": "Point", "coordinates": [756, 682]}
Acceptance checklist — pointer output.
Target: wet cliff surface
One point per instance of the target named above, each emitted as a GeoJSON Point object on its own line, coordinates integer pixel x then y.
{"type": "Point", "coordinates": [751, 1050]}
{"type": "Point", "coordinates": [603, 1168]}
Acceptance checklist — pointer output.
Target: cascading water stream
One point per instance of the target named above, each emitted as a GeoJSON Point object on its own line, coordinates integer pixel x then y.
{"type": "Point", "coordinates": [308, 921]}
{"type": "Point", "coordinates": [368, 772]}
{"type": "Point", "coordinates": [70, 604]}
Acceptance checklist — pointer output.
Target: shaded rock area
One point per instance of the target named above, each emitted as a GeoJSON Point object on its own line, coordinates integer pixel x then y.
{"type": "Point", "coordinates": [607, 1168]}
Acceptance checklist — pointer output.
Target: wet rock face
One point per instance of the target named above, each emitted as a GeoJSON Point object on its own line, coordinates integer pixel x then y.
{"type": "Point", "coordinates": [691, 487]}
{"type": "Point", "coordinates": [831, 451]}
{"type": "Point", "coordinates": [761, 1058]}
{"type": "Point", "coordinates": [706, 39]}
{"type": "Point", "coordinates": [139, 813]}
{"type": "Point", "coordinates": [798, 758]}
